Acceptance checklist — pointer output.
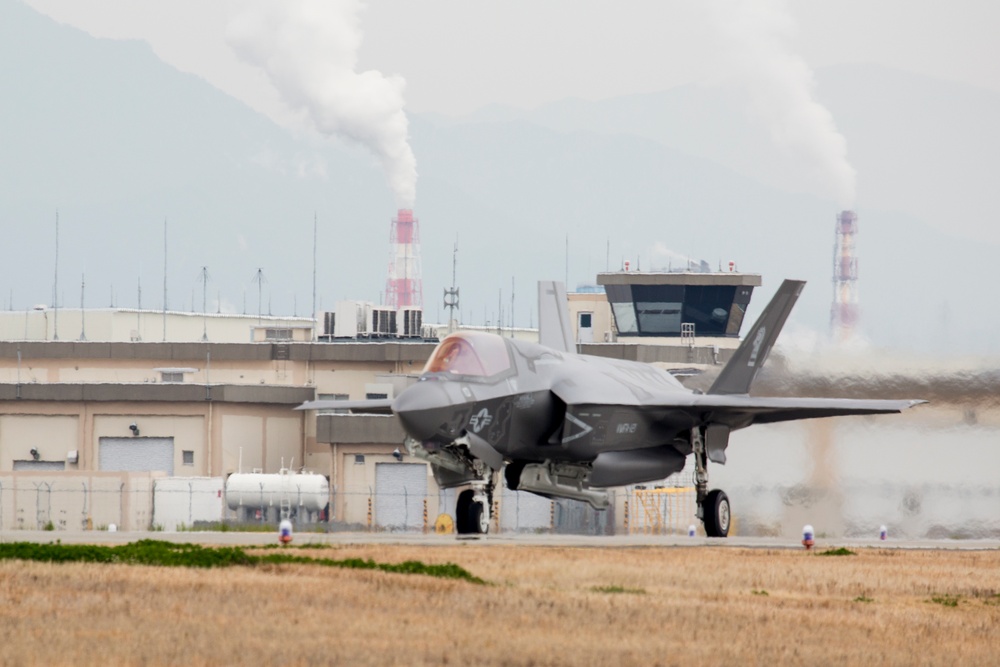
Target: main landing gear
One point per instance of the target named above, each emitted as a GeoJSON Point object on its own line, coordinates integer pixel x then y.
{"type": "Point", "coordinates": [713, 506]}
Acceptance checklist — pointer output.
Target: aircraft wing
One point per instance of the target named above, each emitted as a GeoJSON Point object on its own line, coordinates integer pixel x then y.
{"type": "Point", "coordinates": [740, 411]}
{"type": "Point", "coordinates": [376, 406]}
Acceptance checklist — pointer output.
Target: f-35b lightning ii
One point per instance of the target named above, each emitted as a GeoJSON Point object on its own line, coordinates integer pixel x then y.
{"type": "Point", "coordinates": [567, 425]}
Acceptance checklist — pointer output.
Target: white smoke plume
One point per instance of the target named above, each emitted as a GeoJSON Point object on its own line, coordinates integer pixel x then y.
{"type": "Point", "coordinates": [782, 89]}
{"type": "Point", "coordinates": [662, 253]}
{"type": "Point", "coordinates": [309, 51]}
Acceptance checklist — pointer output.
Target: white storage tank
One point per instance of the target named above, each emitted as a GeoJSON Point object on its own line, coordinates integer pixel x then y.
{"type": "Point", "coordinates": [302, 490]}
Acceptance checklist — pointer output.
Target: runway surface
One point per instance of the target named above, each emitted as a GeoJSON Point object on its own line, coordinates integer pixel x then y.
{"type": "Point", "coordinates": [503, 539]}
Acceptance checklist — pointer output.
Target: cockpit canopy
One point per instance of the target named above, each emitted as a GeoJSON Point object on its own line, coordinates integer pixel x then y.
{"type": "Point", "coordinates": [470, 354]}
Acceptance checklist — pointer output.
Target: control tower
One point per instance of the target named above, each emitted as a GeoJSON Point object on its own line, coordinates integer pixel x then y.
{"type": "Point", "coordinates": [678, 305]}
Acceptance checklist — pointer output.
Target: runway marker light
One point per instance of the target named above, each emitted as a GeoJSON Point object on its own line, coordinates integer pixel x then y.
{"type": "Point", "coordinates": [808, 536]}
{"type": "Point", "coordinates": [691, 530]}
{"type": "Point", "coordinates": [285, 531]}
{"type": "Point", "coordinates": [112, 528]}
{"type": "Point", "coordinates": [883, 533]}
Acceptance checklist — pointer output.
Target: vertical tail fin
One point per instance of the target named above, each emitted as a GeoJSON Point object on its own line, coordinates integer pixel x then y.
{"type": "Point", "coordinates": [554, 328]}
{"type": "Point", "coordinates": [737, 376]}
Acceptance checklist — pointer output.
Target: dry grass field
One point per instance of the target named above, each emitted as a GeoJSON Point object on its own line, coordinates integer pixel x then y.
{"type": "Point", "coordinates": [543, 606]}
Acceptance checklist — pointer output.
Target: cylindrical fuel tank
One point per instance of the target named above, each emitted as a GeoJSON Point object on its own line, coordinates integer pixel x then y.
{"type": "Point", "coordinates": [308, 491]}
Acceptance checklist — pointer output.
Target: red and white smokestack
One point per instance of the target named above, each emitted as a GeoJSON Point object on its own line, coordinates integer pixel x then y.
{"type": "Point", "coordinates": [844, 311]}
{"type": "Point", "coordinates": [404, 287]}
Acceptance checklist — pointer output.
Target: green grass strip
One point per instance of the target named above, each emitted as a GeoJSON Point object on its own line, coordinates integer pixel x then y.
{"type": "Point", "coordinates": [169, 554]}
{"type": "Point", "coordinates": [618, 589]}
{"type": "Point", "coordinates": [837, 552]}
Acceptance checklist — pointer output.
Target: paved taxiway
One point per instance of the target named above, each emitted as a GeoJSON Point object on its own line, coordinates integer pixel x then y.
{"type": "Point", "coordinates": [503, 539]}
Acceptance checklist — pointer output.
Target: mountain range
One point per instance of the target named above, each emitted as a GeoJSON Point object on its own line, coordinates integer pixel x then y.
{"type": "Point", "coordinates": [126, 148]}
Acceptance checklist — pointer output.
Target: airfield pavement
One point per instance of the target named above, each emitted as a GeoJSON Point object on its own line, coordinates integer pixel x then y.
{"type": "Point", "coordinates": [234, 538]}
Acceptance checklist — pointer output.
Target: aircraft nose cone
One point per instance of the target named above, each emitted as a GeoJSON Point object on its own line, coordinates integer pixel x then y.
{"type": "Point", "coordinates": [420, 409]}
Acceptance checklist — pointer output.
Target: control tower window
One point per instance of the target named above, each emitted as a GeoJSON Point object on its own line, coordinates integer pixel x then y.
{"type": "Point", "coordinates": [661, 310]}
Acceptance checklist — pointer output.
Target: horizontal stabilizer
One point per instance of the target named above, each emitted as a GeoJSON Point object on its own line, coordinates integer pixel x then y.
{"type": "Point", "coordinates": [737, 376]}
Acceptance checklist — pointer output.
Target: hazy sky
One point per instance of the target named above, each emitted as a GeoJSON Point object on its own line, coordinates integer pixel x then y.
{"type": "Point", "coordinates": [457, 56]}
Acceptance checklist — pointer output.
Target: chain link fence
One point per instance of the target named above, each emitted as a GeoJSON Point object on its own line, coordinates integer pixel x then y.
{"type": "Point", "coordinates": [152, 501]}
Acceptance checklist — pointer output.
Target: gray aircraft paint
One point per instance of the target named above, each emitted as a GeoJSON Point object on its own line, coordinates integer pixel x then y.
{"type": "Point", "coordinates": [593, 422]}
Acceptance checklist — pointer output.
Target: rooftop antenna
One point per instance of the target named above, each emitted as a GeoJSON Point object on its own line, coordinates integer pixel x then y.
{"type": "Point", "coordinates": [607, 256]}
{"type": "Point", "coordinates": [203, 279]}
{"type": "Point", "coordinates": [566, 282]}
{"type": "Point", "coordinates": [315, 233]}
{"type": "Point", "coordinates": [260, 280]}
{"type": "Point", "coordinates": [112, 292]}
{"type": "Point", "coordinates": [55, 288]}
{"type": "Point", "coordinates": [451, 295]}
{"type": "Point", "coordinates": [138, 312]}
{"type": "Point", "coordinates": [512, 306]}
{"type": "Point", "coordinates": [164, 280]}
{"type": "Point", "coordinates": [83, 313]}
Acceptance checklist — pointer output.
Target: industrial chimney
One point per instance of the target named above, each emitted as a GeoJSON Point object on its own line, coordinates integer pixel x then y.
{"type": "Point", "coordinates": [844, 311]}
{"type": "Point", "coordinates": [404, 288]}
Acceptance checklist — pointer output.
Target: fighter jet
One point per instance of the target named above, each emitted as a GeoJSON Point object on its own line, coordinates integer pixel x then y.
{"type": "Point", "coordinates": [567, 425]}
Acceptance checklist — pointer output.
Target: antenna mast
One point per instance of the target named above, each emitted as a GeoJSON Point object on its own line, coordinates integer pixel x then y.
{"type": "Point", "coordinates": [164, 280]}
{"type": "Point", "coordinates": [138, 312]}
{"type": "Point", "coordinates": [451, 295]}
{"type": "Point", "coordinates": [315, 321]}
{"type": "Point", "coordinates": [260, 280]}
{"type": "Point", "coordinates": [204, 302]}
{"type": "Point", "coordinates": [83, 313]}
{"type": "Point", "coordinates": [55, 288]}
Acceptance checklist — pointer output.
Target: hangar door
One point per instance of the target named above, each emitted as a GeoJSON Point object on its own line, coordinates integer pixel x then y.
{"type": "Point", "coordinates": [400, 490]}
{"type": "Point", "coordinates": [136, 454]}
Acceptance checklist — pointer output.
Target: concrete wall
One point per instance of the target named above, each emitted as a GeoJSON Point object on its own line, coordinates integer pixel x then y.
{"type": "Point", "coordinates": [76, 501]}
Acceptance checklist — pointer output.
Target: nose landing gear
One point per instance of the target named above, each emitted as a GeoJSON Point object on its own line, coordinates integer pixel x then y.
{"type": "Point", "coordinates": [473, 509]}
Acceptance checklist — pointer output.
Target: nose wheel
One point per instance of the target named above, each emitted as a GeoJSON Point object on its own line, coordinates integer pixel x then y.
{"type": "Point", "coordinates": [472, 511]}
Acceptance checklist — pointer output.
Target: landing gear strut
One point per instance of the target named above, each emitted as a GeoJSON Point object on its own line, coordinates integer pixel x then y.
{"type": "Point", "coordinates": [472, 511]}
{"type": "Point", "coordinates": [713, 506]}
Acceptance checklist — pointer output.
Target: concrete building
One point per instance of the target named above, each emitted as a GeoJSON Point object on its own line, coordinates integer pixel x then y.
{"type": "Point", "coordinates": [92, 430]}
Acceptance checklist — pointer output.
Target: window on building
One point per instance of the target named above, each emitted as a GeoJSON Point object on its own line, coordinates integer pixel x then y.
{"type": "Point", "coordinates": [332, 397]}
{"type": "Point", "coordinates": [375, 397]}
{"type": "Point", "coordinates": [278, 334]}
{"type": "Point", "coordinates": [172, 376]}
{"type": "Point", "coordinates": [359, 459]}
{"type": "Point", "coordinates": [187, 457]}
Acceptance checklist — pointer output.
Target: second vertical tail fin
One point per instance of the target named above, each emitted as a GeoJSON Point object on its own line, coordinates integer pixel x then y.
{"type": "Point", "coordinates": [737, 375]}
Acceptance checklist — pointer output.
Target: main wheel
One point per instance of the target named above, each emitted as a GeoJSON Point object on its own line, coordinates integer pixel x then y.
{"type": "Point", "coordinates": [716, 508]}
{"type": "Point", "coordinates": [479, 519]}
